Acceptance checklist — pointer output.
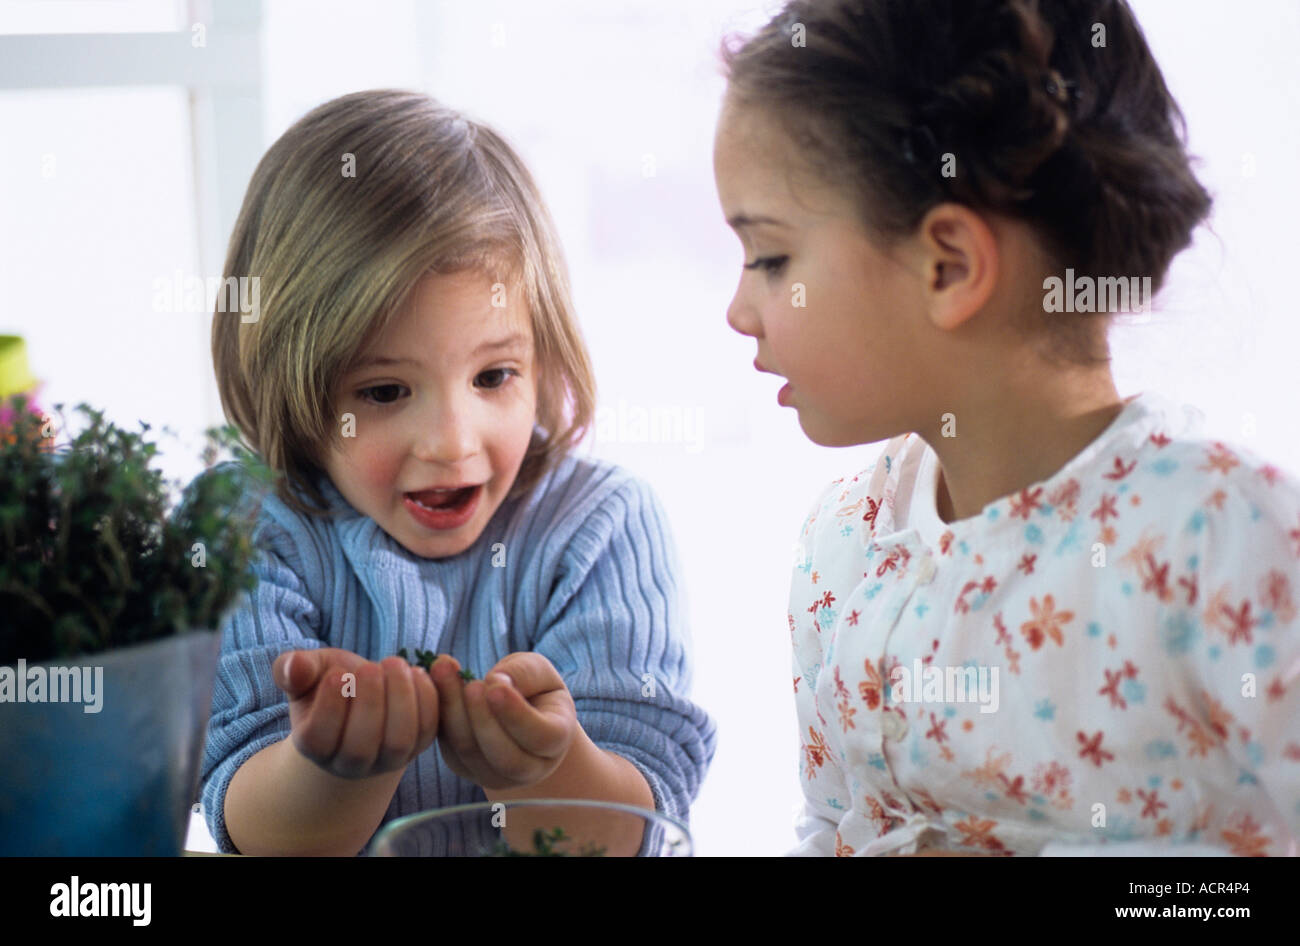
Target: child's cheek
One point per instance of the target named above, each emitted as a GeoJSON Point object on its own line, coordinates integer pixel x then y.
{"type": "Point", "coordinates": [381, 471]}
{"type": "Point", "coordinates": [375, 467]}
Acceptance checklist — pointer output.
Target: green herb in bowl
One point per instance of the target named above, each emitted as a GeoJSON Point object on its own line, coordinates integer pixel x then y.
{"type": "Point", "coordinates": [544, 846]}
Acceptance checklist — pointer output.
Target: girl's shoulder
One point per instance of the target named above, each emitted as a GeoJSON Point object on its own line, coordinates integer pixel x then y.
{"type": "Point", "coordinates": [1163, 459]}
{"type": "Point", "coordinates": [1217, 486]}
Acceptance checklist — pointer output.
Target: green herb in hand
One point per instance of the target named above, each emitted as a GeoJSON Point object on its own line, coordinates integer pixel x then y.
{"type": "Point", "coordinates": [425, 659]}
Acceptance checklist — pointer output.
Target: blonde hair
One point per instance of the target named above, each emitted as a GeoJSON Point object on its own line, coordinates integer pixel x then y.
{"type": "Point", "coordinates": [336, 255]}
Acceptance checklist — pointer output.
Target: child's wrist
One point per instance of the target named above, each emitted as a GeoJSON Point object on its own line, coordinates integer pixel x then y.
{"type": "Point", "coordinates": [581, 758]}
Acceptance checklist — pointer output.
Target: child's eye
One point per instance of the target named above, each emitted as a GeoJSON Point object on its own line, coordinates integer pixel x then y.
{"type": "Point", "coordinates": [769, 264]}
{"type": "Point", "coordinates": [499, 376]}
{"type": "Point", "coordinates": [384, 394]}
{"type": "Point", "coordinates": [369, 394]}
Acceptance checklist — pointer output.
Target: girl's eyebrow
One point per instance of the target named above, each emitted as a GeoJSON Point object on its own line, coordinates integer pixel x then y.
{"type": "Point", "coordinates": [510, 341]}
{"type": "Point", "coordinates": [743, 221]}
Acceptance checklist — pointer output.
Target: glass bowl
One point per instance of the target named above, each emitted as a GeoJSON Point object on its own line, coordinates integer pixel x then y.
{"type": "Point", "coordinates": [533, 828]}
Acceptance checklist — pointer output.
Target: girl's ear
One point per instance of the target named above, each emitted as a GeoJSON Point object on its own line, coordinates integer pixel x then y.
{"type": "Point", "coordinates": [959, 255]}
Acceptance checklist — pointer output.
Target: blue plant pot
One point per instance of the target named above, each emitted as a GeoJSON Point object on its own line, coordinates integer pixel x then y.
{"type": "Point", "coordinates": [118, 782]}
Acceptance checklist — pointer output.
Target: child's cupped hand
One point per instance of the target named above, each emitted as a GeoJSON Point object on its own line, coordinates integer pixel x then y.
{"type": "Point", "coordinates": [374, 721]}
{"type": "Point", "coordinates": [511, 729]}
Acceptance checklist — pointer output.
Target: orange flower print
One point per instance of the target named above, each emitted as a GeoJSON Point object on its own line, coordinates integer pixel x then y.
{"type": "Point", "coordinates": [1239, 622]}
{"type": "Point", "coordinates": [1151, 803]}
{"type": "Point", "coordinates": [851, 510]}
{"type": "Point", "coordinates": [869, 689]}
{"type": "Point", "coordinates": [1120, 470]}
{"type": "Point", "coordinates": [847, 712]}
{"type": "Point", "coordinates": [869, 517]}
{"type": "Point", "coordinates": [1220, 718]}
{"type": "Point", "coordinates": [815, 751]}
{"type": "Point", "coordinates": [1025, 503]}
{"type": "Point", "coordinates": [1046, 621]}
{"type": "Point", "coordinates": [1220, 458]}
{"type": "Point", "coordinates": [842, 849]}
{"type": "Point", "coordinates": [977, 834]}
{"type": "Point", "coordinates": [1144, 549]}
{"type": "Point", "coordinates": [1155, 577]}
{"type": "Point", "coordinates": [1275, 592]}
{"type": "Point", "coordinates": [1065, 499]}
{"type": "Point", "coordinates": [1106, 509]}
{"type": "Point", "coordinates": [927, 800]}
{"type": "Point", "coordinates": [1053, 780]}
{"type": "Point", "coordinates": [1245, 839]}
{"type": "Point", "coordinates": [990, 773]}
{"type": "Point", "coordinates": [880, 819]}
{"type": "Point", "coordinates": [1216, 607]}
{"type": "Point", "coordinates": [1092, 749]}
{"type": "Point", "coordinates": [1201, 739]}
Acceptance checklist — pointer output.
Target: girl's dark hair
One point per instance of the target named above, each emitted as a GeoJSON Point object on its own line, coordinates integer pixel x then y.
{"type": "Point", "coordinates": [1046, 124]}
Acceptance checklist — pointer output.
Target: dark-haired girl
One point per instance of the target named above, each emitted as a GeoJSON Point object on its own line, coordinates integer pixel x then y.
{"type": "Point", "coordinates": [1049, 618]}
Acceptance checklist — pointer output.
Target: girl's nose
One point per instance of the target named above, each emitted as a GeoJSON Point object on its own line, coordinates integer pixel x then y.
{"type": "Point", "coordinates": [742, 317]}
{"type": "Point", "coordinates": [447, 436]}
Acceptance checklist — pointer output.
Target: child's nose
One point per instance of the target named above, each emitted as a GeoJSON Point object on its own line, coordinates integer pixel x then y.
{"type": "Point", "coordinates": [447, 436]}
{"type": "Point", "coordinates": [743, 317]}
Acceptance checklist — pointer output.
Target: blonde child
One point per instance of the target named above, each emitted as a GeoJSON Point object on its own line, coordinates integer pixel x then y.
{"type": "Point", "coordinates": [414, 374]}
{"type": "Point", "coordinates": [1048, 619]}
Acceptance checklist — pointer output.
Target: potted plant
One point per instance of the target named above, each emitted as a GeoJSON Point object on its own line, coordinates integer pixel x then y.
{"type": "Point", "coordinates": [109, 610]}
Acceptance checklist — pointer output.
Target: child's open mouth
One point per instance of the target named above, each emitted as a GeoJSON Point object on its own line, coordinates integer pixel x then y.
{"type": "Point", "coordinates": [443, 509]}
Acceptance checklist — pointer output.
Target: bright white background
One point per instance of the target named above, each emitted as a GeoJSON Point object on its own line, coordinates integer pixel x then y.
{"type": "Point", "coordinates": [613, 105]}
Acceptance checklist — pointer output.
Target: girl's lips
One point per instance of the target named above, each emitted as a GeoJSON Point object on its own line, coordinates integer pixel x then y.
{"type": "Point", "coordinates": [447, 517]}
{"type": "Point", "coordinates": [432, 494]}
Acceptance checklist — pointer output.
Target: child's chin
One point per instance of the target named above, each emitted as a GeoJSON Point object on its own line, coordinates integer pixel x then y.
{"type": "Point", "coordinates": [434, 546]}
{"type": "Point", "coordinates": [825, 434]}
{"type": "Point", "coordinates": [822, 434]}
{"type": "Point", "coordinates": [444, 546]}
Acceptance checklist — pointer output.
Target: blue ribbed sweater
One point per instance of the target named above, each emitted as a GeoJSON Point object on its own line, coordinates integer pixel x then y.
{"type": "Point", "coordinates": [589, 580]}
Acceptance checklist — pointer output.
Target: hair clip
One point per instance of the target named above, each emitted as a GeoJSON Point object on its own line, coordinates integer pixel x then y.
{"type": "Point", "coordinates": [1062, 90]}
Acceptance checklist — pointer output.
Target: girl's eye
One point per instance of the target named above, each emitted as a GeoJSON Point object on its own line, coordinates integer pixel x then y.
{"type": "Point", "coordinates": [378, 393]}
{"type": "Point", "coordinates": [390, 393]}
{"type": "Point", "coordinates": [499, 376]}
{"type": "Point", "coordinates": [769, 264]}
